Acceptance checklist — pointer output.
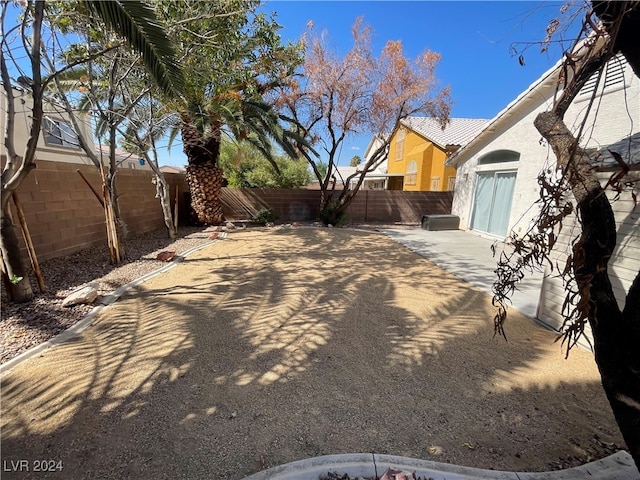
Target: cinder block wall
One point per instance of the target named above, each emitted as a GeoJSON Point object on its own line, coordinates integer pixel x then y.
{"type": "Point", "coordinates": [64, 216]}
{"type": "Point", "coordinates": [289, 205]}
{"type": "Point", "coordinates": [390, 206]}
{"type": "Point", "coordinates": [376, 206]}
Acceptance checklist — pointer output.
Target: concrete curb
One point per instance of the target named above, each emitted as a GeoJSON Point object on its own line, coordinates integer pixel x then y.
{"type": "Point", "coordinates": [88, 320]}
{"type": "Point", "coordinates": [619, 466]}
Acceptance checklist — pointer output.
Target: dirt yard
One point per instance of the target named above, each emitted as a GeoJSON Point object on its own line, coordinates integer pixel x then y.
{"type": "Point", "coordinates": [272, 346]}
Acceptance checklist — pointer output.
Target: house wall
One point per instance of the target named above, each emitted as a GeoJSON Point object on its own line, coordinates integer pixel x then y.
{"type": "Point", "coordinates": [618, 116]}
{"type": "Point", "coordinates": [56, 153]}
{"type": "Point", "coordinates": [424, 162]}
{"type": "Point", "coordinates": [516, 133]}
{"type": "Point", "coordinates": [440, 170]}
{"type": "Point", "coordinates": [429, 158]}
{"type": "Point", "coordinates": [23, 106]}
{"type": "Point", "coordinates": [623, 265]}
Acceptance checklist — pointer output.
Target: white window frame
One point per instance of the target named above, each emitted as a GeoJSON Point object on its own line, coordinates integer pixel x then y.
{"type": "Point", "coordinates": [59, 133]}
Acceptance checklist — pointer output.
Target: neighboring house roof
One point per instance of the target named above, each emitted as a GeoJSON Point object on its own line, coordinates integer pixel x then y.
{"type": "Point", "coordinates": [344, 172]}
{"type": "Point", "coordinates": [459, 131]}
{"type": "Point", "coordinates": [172, 169]}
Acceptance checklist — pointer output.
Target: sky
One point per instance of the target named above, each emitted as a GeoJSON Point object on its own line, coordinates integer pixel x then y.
{"type": "Point", "coordinates": [474, 38]}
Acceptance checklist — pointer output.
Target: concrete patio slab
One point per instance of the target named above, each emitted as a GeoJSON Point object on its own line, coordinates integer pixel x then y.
{"type": "Point", "coordinates": [469, 257]}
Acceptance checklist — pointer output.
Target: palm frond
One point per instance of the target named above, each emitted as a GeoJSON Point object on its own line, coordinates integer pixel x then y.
{"type": "Point", "coordinates": [138, 24]}
{"type": "Point", "coordinates": [266, 152]}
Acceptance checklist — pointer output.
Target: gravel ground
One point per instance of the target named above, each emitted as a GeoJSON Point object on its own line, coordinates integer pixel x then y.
{"type": "Point", "coordinates": [276, 345]}
{"type": "Point", "coordinates": [26, 325]}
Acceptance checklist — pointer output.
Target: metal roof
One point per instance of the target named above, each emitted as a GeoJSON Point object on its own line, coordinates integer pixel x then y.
{"type": "Point", "coordinates": [459, 131]}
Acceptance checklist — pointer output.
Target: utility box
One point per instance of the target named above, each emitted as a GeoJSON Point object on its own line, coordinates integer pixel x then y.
{"type": "Point", "coordinates": [440, 222]}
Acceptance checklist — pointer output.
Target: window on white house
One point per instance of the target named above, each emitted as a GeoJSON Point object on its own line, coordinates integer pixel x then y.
{"type": "Point", "coordinates": [499, 156]}
{"type": "Point", "coordinates": [57, 132]}
{"type": "Point", "coordinates": [451, 185]}
{"type": "Point", "coordinates": [411, 175]}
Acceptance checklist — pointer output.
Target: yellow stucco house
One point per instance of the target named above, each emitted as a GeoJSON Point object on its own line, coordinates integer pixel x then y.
{"type": "Point", "coordinates": [419, 148]}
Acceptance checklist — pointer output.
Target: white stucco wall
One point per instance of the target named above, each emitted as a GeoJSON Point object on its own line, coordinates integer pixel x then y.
{"type": "Point", "coordinates": [623, 266]}
{"type": "Point", "coordinates": [618, 116]}
{"type": "Point", "coordinates": [515, 132]}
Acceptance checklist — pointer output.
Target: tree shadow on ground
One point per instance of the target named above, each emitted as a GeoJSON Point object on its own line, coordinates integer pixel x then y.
{"type": "Point", "coordinates": [272, 347]}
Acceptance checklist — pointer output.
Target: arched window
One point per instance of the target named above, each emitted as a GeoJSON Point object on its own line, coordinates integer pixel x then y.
{"type": "Point", "coordinates": [411, 175]}
{"type": "Point", "coordinates": [499, 156]}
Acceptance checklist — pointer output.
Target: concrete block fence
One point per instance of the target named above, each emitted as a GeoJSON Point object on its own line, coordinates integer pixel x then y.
{"type": "Point", "coordinates": [64, 216]}
{"type": "Point", "coordinates": [369, 206]}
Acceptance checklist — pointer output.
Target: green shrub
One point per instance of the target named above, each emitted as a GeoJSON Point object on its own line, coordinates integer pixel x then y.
{"type": "Point", "coordinates": [329, 215]}
{"type": "Point", "coordinates": [264, 216]}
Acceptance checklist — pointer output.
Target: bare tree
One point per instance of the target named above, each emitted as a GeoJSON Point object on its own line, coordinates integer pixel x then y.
{"type": "Point", "coordinates": [147, 123]}
{"type": "Point", "coordinates": [337, 97]}
{"type": "Point", "coordinates": [616, 331]}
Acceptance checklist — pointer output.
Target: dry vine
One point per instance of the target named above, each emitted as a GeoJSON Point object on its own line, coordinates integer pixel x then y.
{"type": "Point", "coordinates": [532, 251]}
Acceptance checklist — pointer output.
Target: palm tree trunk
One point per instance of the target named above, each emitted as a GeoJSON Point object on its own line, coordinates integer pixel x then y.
{"type": "Point", "coordinates": [205, 182]}
{"type": "Point", "coordinates": [204, 177]}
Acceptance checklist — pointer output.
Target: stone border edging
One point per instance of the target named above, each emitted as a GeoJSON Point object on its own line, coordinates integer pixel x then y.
{"type": "Point", "coordinates": [88, 320]}
{"type": "Point", "coordinates": [619, 466]}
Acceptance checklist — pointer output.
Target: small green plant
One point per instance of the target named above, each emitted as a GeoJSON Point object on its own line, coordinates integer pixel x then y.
{"type": "Point", "coordinates": [15, 279]}
{"type": "Point", "coordinates": [264, 216]}
{"type": "Point", "coordinates": [329, 215]}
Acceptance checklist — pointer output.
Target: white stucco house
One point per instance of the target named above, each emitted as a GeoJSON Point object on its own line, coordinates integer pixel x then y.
{"type": "Point", "coordinates": [497, 170]}
{"type": "Point", "coordinates": [496, 181]}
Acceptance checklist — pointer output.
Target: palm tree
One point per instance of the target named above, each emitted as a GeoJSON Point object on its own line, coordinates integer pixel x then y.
{"type": "Point", "coordinates": [234, 57]}
{"type": "Point", "coordinates": [252, 121]}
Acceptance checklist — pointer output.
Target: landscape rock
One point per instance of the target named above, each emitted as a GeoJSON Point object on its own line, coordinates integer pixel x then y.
{"type": "Point", "coordinates": [83, 295]}
{"type": "Point", "coordinates": [230, 225]}
{"type": "Point", "coordinates": [213, 236]}
{"type": "Point", "coordinates": [166, 256]}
